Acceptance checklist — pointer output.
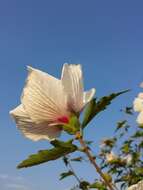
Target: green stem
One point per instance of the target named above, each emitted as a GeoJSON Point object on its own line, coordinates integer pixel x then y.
{"type": "Point", "coordinates": [92, 160]}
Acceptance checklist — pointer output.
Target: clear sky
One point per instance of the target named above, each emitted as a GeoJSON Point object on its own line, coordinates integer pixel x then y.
{"type": "Point", "coordinates": [106, 37]}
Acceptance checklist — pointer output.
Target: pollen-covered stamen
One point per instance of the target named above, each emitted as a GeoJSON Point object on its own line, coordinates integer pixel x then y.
{"type": "Point", "coordinates": [63, 119]}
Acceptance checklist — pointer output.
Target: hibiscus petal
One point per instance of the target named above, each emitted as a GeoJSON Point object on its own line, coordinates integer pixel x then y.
{"type": "Point", "coordinates": [43, 97]}
{"type": "Point", "coordinates": [88, 95]}
{"type": "Point", "coordinates": [31, 130]}
{"type": "Point", "coordinates": [73, 85]}
{"type": "Point", "coordinates": [138, 104]}
{"type": "Point", "coordinates": [140, 118]}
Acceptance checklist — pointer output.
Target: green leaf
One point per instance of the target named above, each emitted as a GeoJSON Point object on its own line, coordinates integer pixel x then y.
{"type": "Point", "coordinates": [84, 185]}
{"type": "Point", "coordinates": [126, 148]}
{"type": "Point", "coordinates": [135, 157]}
{"type": "Point", "coordinates": [88, 142]}
{"type": "Point", "coordinates": [139, 171]}
{"type": "Point", "coordinates": [98, 185]}
{"type": "Point", "coordinates": [61, 149]}
{"type": "Point", "coordinates": [129, 110]}
{"type": "Point", "coordinates": [73, 126]}
{"type": "Point", "coordinates": [66, 174]}
{"type": "Point", "coordinates": [77, 159]}
{"type": "Point", "coordinates": [121, 124]}
{"type": "Point", "coordinates": [93, 107]}
{"type": "Point", "coordinates": [138, 134]}
{"type": "Point", "coordinates": [108, 177]}
{"type": "Point", "coordinates": [141, 145]}
{"type": "Point", "coordinates": [110, 142]}
{"type": "Point", "coordinates": [89, 112]}
{"type": "Point", "coordinates": [65, 160]}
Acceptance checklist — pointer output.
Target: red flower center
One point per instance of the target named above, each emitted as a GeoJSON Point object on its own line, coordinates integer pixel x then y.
{"type": "Point", "coordinates": [63, 119]}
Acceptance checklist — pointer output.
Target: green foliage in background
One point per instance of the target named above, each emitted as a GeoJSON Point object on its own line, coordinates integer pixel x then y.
{"type": "Point", "coordinates": [125, 169]}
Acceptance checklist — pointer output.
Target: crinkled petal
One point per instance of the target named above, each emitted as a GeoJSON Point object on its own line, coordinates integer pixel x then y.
{"type": "Point", "coordinates": [43, 97]}
{"type": "Point", "coordinates": [31, 130]}
{"type": "Point", "coordinates": [138, 104]}
{"type": "Point", "coordinates": [88, 96]}
{"type": "Point", "coordinates": [140, 118]}
{"type": "Point", "coordinates": [72, 81]}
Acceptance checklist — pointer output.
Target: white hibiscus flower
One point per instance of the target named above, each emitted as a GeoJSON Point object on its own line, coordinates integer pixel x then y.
{"type": "Point", "coordinates": [128, 158]}
{"type": "Point", "coordinates": [48, 102]}
{"type": "Point", "coordinates": [138, 107]}
{"type": "Point", "coordinates": [138, 103]}
{"type": "Point", "coordinates": [110, 157]}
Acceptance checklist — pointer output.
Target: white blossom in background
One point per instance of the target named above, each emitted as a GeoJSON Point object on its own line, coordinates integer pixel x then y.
{"type": "Point", "coordinates": [48, 102]}
{"type": "Point", "coordinates": [138, 186]}
{"type": "Point", "coordinates": [133, 187]}
{"type": "Point", "coordinates": [128, 159]}
{"type": "Point", "coordinates": [138, 107]}
{"type": "Point", "coordinates": [111, 157]}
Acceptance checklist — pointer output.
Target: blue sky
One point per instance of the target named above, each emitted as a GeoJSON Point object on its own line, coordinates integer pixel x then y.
{"type": "Point", "coordinates": [106, 37]}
